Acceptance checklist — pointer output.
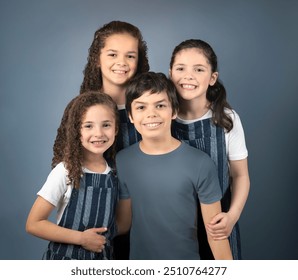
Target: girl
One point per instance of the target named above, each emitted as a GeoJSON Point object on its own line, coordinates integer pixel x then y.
{"type": "Point", "coordinates": [117, 53]}
{"type": "Point", "coordinates": [207, 122]}
{"type": "Point", "coordinates": [82, 186]}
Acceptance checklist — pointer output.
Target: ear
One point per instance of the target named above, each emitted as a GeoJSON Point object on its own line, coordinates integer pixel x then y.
{"type": "Point", "coordinates": [174, 116]}
{"type": "Point", "coordinates": [213, 78]}
{"type": "Point", "coordinates": [130, 118]}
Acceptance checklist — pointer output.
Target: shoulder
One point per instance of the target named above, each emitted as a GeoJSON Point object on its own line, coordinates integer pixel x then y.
{"type": "Point", "coordinates": [193, 153]}
{"type": "Point", "coordinates": [233, 114]}
{"type": "Point", "coordinates": [128, 151]}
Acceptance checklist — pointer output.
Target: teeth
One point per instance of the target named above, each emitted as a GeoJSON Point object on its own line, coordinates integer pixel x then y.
{"type": "Point", "coordinates": [188, 86]}
{"type": "Point", "coordinates": [152, 124]}
{"type": "Point", "coordinates": [119, 71]}
{"type": "Point", "coordinates": [98, 142]}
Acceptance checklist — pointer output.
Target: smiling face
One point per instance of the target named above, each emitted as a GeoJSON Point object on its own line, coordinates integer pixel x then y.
{"type": "Point", "coordinates": [118, 60]}
{"type": "Point", "coordinates": [152, 115]}
{"type": "Point", "coordinates": [191, 74]}
{"type": "Point", "coordinates": [98, 130]}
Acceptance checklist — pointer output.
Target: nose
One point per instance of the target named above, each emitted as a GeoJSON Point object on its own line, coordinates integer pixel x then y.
{"type": "Point", "coordinates": [151, 112]}
{"type": "Point", "coordinates": [98, 131]}
{"type": "Point", "coordinates": [188, 77]}
{"type": "Point", "coordinates": [121, 61]}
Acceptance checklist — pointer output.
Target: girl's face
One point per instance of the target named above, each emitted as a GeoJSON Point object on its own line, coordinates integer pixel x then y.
{"type": "Point", "coordinates": [98, 130]}
{"type": "Point", "coordinates": [191, 74]}
{"type": "Point", "coordinates": [118, 60]}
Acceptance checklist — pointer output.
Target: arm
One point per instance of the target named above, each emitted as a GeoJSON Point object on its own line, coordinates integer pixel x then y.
{"type": "Point", "coordinates": [38, 224]}
{"type": "Point", "coordinates": [123, 216]}
{"type": "Point", "coordinates": [220, 248]}
{"type": "Point", "coordinates": [221, 225]}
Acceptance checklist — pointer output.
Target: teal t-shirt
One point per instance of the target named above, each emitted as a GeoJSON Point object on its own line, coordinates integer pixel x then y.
{"type": "Point", "coordinates": [164, 191]}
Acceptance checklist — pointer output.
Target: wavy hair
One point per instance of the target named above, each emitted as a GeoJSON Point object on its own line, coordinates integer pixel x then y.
{"type": "Point", "coordinates": [69, 149]}
{"type": "Point", "coordinates": [92, 73]}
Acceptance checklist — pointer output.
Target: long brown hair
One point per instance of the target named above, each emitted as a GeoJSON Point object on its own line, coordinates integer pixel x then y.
{"type": "Point", "coordinates": [71, 152]}
{"type": "Point", "coordinates": [92, 73]}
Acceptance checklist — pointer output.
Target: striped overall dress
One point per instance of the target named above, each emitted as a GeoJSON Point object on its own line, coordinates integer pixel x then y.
{"type": "Point", "coordinates": [127, 136]}
{"type": "Point", "coordinates": [91, 206]}
{"type": "Point", "coordinates": [207, 137]}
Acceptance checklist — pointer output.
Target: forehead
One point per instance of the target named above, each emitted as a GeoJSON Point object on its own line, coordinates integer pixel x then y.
{"type": "Point", "coordinates": [98, 111]}
{"type": "Point", "coordinates": [121, 41]}
{"type": "Point", "coordinates": [149, 97]}
{"type": "Point", "coordinates": [191, 56]}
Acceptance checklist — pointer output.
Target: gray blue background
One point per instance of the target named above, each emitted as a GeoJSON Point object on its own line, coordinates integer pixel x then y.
{"type": "Point", "coordinates": [44, 48]}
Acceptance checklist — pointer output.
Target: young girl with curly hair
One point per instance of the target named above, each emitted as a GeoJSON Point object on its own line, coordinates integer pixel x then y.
{"type": "Point", "coordinates": [82, 187]}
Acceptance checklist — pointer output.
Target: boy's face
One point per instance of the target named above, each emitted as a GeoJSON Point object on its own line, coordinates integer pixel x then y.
{"type": "Point", "coordinates": [152, 115]}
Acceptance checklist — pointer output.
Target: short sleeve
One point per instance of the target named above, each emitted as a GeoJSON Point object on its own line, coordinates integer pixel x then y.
{"type": "Point", "coordinates": [55, 186]}
{"type": "Point", "coordinates": [236, 146]}
{"type": "Point", "coordinates": [208, 187]}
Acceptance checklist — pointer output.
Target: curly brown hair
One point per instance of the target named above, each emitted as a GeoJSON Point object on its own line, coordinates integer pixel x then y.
{"type": "Point", "coordinates": [92, 73]}
{"type": "Point", "coordinates": [68, 144]}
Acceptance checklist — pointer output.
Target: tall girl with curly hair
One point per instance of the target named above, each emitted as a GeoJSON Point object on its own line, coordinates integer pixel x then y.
{"type": "Point", "coordinates": [207, 122]}
{"type": "Point", "coordinates": [82, 187]}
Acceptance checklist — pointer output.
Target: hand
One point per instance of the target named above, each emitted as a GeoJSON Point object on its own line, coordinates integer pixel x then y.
{"type": "Point", "coordinates": [92, 239]}
{"type": "Point", "coordinates": [220, 227]}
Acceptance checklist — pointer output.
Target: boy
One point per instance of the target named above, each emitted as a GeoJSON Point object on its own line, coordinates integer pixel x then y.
{"type": "Point", "coordinates": [162, 178]}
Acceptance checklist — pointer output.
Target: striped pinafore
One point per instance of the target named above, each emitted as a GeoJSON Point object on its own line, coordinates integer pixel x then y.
{"type": "Point", "coordinates": [207, 137]}
{"type": "Point", "coordinates": [127, 135]}
{"type": "Point", "coordinates": [91, 206]}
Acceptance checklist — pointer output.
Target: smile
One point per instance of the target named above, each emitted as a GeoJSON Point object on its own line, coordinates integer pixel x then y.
{"type": "Point", "coordinates": [120, 72]}
{"type": "Point", "coordinates": [152, 125]}
{"type": "Point", "coordinates": [187, 86]}
{"type": "Point", "coordinates": [98, 142]}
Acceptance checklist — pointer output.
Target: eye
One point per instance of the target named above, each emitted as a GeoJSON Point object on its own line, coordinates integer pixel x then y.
{"type": "Point", "coordinates": [112, 54]}
{"type": "Point", "coordinates": [139, 108]}
{"type": "Point", "coordinates": [131, 56]}
{"type": "Point", "coordinates": [87, 126]}
{"type": "Point", "coordinates": [105, 125]}
{"type": "Point", "coordinates": [199, 70]}
{"type": "Point", "coordinates": [160, 106]}
{"type": "Point", "coordinates": [179, 69]}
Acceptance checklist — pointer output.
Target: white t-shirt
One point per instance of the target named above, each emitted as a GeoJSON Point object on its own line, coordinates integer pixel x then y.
{"type": "Point", "coordinates": [235, 139]}
{"type": "Point", "coordinates": [56, 191]}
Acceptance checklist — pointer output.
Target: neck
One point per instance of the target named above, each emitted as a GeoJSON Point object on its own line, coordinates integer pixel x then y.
{"type": "Point", "coordinates": [193, 109]}
{"type": "Point", "coordinates": [116, 92]}
{"type": "Point", "coordinates": [159, 146]}
{"type": "Point", "coordinates": [95, 163]}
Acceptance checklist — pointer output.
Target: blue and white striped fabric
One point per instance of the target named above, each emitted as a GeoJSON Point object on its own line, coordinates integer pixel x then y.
{"type": "Point", "coordinates": [90, 206]}
{"type": "Point", "coordinates": [209, 138]}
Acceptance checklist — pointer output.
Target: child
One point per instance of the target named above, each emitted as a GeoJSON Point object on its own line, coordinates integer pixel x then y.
{"type": "Point", "coordinates": [82, 186]}
{"type": "Point", "coordinates": [162, 178]}
{"type": "Point", "coordinates": [117, 53]}
{"type": "Point", "coordinates": [207, 122]}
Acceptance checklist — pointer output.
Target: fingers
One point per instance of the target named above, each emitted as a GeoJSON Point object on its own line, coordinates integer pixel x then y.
{"type": "Point", "coordinates": [100, 230]}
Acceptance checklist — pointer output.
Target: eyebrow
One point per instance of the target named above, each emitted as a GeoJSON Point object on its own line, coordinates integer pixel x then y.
{"type": "Point", "coordinates": [159, 101]}
{"type": "Point", "coordinates": [112, 50]}
{"type": "Point", "coordinates": [195, 65]}
{"type": "Point", "coordinates": [104, 121]}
